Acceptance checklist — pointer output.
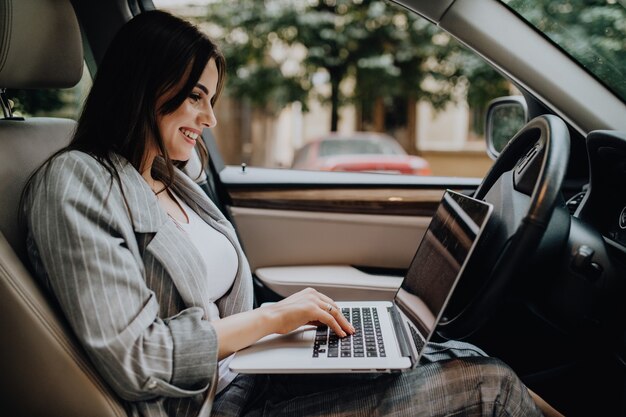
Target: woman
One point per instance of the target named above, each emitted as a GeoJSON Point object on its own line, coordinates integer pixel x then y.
{"type": "Point", "coordinates": [153, 280]}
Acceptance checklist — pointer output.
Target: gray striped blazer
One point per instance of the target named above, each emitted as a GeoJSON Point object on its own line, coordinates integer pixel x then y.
{"type": "Point", "coordinates": [129, 282]}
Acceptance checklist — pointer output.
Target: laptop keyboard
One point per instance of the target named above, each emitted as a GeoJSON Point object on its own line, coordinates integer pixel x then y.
{"type": "Point", "coordinates": [366, 342]}
{"type": "Point", "coordinates": [419, 342]}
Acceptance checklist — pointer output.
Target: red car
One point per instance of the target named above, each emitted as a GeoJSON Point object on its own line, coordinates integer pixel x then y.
{"type": "Point", "coordinates": [359, 151]}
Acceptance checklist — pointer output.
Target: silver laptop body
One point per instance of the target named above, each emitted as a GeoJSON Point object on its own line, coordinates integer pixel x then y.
{"type": "Point", "coordinates": [390, 335]}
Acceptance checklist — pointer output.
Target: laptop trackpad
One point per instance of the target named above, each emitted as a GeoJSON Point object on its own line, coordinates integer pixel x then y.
{"type": "Point", "coordinates": [301, 337]}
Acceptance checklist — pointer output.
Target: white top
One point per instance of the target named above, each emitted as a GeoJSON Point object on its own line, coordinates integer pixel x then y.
{"type": "Point", "coordinates": [220, 261]}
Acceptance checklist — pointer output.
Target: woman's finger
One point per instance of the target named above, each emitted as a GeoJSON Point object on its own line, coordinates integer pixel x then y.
{"type": "Point", "coordinates": [329, 320]}
{"type": "Point", "coordinates": [334, 311]}
{"type": "Point", "coordinates": [328, 300]}
{"type": "Point", "coordinates": [339, 315]}
{"type": "Point", "coordinates": [331, 307]}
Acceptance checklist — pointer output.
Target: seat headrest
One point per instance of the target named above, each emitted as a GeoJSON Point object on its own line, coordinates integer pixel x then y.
{"type": "Point", "coordinates": [40, 44]}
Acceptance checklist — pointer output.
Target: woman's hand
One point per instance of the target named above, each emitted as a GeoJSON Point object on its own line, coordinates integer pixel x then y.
{"type": "Point", "coordinates": [308, 307]}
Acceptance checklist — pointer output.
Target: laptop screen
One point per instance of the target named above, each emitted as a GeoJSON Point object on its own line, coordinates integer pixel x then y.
{"type": "Point", "coordinates": [440, 258]}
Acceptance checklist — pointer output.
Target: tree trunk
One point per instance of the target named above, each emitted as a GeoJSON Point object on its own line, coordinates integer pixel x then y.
{"type": "Point", "coordinates": [379, 115]}
{"type": "Point", "coordinates": [411, 125]}
{"type": "Point", "coordinates": [335, 80]}
{"type": "Point", "coordinates": [359, 116]}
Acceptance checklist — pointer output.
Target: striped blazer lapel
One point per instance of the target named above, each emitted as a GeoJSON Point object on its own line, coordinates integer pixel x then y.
{"type": "Point", "coordinates": [178, 256]}
{"type": "Point", "coordinates": [240, 296]}
{"type": "Point", "coordinates": [161, 238]}
{"type": "Point", "coordinates": [146, 214]}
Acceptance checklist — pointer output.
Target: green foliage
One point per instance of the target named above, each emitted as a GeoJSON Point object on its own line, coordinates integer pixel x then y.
{"type": "Point", "coordinates": [35, 101]}
{"type": "Point", "coordinates": [387, 50]}
{"type": "Point", "coordinates": [592, 31]}
{"type": "Point", "coordinates": [249, 30]}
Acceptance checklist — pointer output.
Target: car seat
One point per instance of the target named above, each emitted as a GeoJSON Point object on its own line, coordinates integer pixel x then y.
{"type": "Point", "coordinates": [43, 370]}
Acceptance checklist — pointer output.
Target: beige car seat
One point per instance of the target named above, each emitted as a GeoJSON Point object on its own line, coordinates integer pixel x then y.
{"type": "Point", "coordinates": [43, 371]}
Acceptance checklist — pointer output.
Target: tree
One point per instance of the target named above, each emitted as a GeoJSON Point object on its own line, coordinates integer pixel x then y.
{"type": "Point", "coordinates": [389, 51]}
{"type": "Point", "coordinates": [249, 31]}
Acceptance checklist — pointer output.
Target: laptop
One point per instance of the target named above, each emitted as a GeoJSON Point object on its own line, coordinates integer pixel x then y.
{"type": "Point", "coordinates": [390, 335]}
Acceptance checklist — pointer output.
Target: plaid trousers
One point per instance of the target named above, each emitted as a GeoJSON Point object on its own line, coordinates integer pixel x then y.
{"type": "Point", "coordinates": [453, 379]}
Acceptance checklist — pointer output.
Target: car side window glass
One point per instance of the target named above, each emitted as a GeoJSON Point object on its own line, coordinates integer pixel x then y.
{"type": "Point", "coordinates": [346, 78]}
{"type": "Point", "coordinates": [66, 103]}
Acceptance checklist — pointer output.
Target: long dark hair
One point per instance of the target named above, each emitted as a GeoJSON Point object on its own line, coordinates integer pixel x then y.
{"type": "Point", "coordinates": [152, 54]}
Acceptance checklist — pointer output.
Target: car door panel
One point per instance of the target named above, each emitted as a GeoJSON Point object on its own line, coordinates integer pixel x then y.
{"type": "Point", "coordinates": [300, 219]}
{"type": "Point", "coordinates": [283, 237]}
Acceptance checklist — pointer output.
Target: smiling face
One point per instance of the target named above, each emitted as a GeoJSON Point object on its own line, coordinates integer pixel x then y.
{"type": "Point", "coordinates": [181, 129]}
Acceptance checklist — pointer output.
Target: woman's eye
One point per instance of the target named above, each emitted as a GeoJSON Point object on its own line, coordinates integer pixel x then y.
{"type": "Point", "coordinates": [195, 97]}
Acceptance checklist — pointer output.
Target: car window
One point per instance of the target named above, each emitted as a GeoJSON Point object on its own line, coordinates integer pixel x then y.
{"type": "Point", "coordinates": [593, 33]}
{"type": "Point", "coordinates": [66, 103]}
{"type": "Point", "coordinates": [299, 70]}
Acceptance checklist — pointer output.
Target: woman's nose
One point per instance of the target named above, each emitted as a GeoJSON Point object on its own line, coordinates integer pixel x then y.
{"type": "Point", "coordinates": [208, 118]}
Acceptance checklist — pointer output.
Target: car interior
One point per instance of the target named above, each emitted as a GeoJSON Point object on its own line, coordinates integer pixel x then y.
{"type": "Point", "coordinates": [544, 291]}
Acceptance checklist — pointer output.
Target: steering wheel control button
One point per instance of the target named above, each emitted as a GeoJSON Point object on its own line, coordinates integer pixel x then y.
{"type": "Point", "coordinates": [573, 203]}
{"type": "Point", "coordinates": [582, 257]}
{"type": "Point", "coordinates": [527, 158]}
{"type": "Point", "coordinates": [582, 263]}
{"type": "Point", "coordinates": [526, 172]}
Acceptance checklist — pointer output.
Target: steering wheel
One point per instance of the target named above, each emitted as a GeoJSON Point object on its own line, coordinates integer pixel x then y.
{"type": "Point", "coordinates": [524, 186]}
